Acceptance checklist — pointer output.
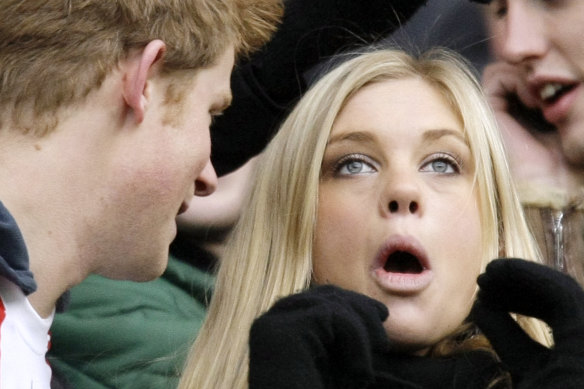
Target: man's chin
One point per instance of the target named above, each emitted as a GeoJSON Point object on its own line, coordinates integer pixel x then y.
{"type": "Point", "coordinates": [145, 270]}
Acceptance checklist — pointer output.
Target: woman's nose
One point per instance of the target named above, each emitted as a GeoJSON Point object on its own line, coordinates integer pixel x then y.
{"type": "Point", "coordinates": [402, 193]}
{"type": "Point", "coordinates": [410, 206]}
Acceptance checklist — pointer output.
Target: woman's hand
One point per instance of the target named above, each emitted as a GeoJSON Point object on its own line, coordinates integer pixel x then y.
{"type": "Point", "coordinates": [530, 289]}
{"type": "Point", "coordinates": [321, 338]}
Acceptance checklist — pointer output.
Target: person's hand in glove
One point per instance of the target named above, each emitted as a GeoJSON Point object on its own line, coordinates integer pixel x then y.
{"type": "Point", "coordinates": [320, 338]}
{"type": "Point", "coordinates": [328, 337]}
{"type": "Point", "coordinates": [267, 85]}
{"type": "Point", "coordinates": [530, 289]}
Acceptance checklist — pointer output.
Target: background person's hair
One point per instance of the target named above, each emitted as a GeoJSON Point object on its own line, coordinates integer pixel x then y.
{"type": "Point", "coordinates": [270, 255]}
{"type": "Point", "coordinates": [54, 52]}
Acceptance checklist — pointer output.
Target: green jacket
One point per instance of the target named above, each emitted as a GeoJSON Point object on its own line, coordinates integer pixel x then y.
{"type": "Point", "coordinates": [122, 334]}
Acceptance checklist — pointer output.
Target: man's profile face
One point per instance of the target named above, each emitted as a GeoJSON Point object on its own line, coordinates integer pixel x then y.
{"type": "Point", "coordinates": [157, 171]}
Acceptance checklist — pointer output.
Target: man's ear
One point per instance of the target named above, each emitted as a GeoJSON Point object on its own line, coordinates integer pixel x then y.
{"type": "Point", "coordinates": [136, 77]}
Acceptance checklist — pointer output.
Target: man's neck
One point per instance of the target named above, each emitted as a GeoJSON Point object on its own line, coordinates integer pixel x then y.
{"type": "Point", "coordinates": [29, 189]}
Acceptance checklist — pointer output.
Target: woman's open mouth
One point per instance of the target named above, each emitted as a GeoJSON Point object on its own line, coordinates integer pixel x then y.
{"type": "Point", "coordinates": [403, 262]}
{"type": "Point", "coordinates": [402, 266]}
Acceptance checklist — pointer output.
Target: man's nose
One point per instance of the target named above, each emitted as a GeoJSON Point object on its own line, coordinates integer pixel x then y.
{"type": "Point", "coordinates": [206, 182]}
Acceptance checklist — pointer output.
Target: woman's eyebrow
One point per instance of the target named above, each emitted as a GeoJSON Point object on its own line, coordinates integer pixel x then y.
{"type": "Point", "coordinates": [434, 134]}
{"type": "Point", "coordinates": [428, 136]}
{"type": "Point", "coordinates": [355, 136]}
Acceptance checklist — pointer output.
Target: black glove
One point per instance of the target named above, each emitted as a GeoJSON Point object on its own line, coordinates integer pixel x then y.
{"type": "Point", "coordinates": [267, 85]}
{"type": "Point", "coordinates": [328, 337]}
{"type": "Point", "coordinates": [530, 289]}
{"type": "Point", "coordinates": [321, 338]}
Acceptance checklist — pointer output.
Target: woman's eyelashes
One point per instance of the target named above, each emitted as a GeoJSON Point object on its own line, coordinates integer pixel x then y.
{"type": "Point", "coordinates": [353, 164]}
{"type": "Point", "coordinates": [360, 164]}
{"type": "Point", "coordinates": [442, 163]}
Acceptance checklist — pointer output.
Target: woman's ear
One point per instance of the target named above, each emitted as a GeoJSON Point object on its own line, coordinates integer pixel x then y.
{"type": "Point", "coordinates": [136, 77]}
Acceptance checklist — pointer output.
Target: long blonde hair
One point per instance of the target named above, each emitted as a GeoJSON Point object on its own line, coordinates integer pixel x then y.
{"type": "Point", "coordinates": [270, 255]}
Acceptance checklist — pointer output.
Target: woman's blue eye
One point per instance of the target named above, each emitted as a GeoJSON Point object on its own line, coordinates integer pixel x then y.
{"type": "Point", "coordinates": [442, 165]}
{"type": "Point", "coordinates": [352, 166]}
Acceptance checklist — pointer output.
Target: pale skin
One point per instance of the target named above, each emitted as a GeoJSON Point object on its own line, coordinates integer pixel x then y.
{"type": "Point", "coordinates": [101, 193]}
{"type": "Point", "coordinates": [539, 47]}
{"type": "Point", "coordinates": [209, 219]}
{"type": "Point", "coordinates": [398, 176]}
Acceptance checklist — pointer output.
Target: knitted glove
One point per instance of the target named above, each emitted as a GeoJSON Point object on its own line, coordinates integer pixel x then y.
{"type": "Point", "coordinates": [321, 338]}
{"type": "Point", "coordinates": [267, 86]}
{"type": "Point", "coordinates": [328, 337]}
{"type": "Point", "coordinates": [538, 291]}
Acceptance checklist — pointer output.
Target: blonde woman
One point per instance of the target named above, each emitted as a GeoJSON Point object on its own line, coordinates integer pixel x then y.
{"type": "Point", "coordinates": [388, 181]}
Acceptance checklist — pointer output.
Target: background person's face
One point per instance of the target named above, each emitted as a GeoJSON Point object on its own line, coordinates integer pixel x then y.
{"type": "Point", "coordinates": [544, 39]}
{"type": "Point", "coordinates": [397, 215]}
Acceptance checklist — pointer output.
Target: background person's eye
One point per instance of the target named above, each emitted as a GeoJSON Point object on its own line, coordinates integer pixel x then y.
{"type": "Point", "coordinates": [498, 8]}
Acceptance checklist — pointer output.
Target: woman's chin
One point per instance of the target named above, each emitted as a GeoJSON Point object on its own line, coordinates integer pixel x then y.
{"type": "Point", "coordinates": [407, 338]}
{"type": "Point", "coordinates": [409, 345]}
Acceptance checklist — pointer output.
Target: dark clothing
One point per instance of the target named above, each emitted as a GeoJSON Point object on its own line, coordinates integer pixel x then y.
{"type": "Point", "coordinates": [13, 254]}
{"type": "Point", "coordinates": [328, 337]}
{"type": "Point", "coordinates": [475, 369]}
